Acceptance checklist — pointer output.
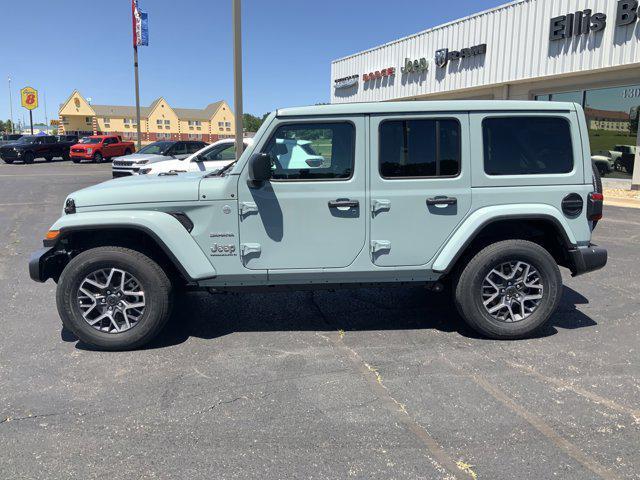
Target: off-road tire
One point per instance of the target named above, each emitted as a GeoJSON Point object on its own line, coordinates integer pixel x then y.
{"type": "Point", "coordinates": [155, 283]}
{"type": "Point", "coordinates": [7, 161]}
{"type": "Point", "coordinates": [48, 158]}
{"type": "Point", "coordinates": [468, 291]}
{"type": "Point", "coordinates": [28, 157]}
{"type": "Point", "coordinates": [98, 158]}
{"type": "Point", "coordinates": [75, 160]}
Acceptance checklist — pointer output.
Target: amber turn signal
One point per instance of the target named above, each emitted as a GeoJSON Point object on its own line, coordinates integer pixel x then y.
{"type": "Point", "coordinates": [52, 234]}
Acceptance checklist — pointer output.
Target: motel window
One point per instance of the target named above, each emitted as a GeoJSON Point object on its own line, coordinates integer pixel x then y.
{"type": "Point", "coordinates": [527, 145]}
{"type": "Point", "coordinates": [221, 124]}
{"type": "Point", "coordinates": [167, 122]}
{"type": "Point", "coordinates": [158, 122]}
{"type": "Point", "coordinates": [419, 148]}
{"type": "Point", "coordinates": [227, 124]}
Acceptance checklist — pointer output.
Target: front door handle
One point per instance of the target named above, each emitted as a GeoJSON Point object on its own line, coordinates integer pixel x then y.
{"type": "Point", "coordinates": [442, 201]}
{"type": "Point", "coordinates": [344, 204]}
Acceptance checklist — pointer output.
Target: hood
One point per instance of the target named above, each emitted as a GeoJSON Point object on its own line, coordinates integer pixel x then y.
{"type": "Point", "coordinates": [140, 189]}
{"type": "Point", "coordinates": [139, 157]}
{"type": "Point", "coordinates": [12, 144]}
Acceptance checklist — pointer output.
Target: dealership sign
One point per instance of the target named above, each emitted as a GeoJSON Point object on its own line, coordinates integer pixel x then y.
{"type": "Point", "coordinates": [444, 55]}
{"type": "Point", "coordinates": [585, 21]}
{"type": "Point", "coordinates": [346, 82]}
{"type": "Point", "coordinates": [384, 73]}
{"type": "Point", "coordinates": [415, 66]}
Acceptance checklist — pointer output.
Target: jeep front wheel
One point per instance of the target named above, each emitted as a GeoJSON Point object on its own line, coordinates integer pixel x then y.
{"type": "Point", "coordinates": [114, 298]}
{"type": "Point", "coordinates": [97, 158]}
{"type": "Point", "coordinates": [509, 289]}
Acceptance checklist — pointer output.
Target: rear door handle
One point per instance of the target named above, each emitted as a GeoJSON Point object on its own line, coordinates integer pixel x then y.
{"type": "Point", "coordinates": [344, 204]}
{"type": "Point", "coordinates": [442, 201]}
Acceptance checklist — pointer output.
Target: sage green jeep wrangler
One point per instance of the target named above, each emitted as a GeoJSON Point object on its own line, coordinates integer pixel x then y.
{"type": "Point", "coordinates": [489, 198]}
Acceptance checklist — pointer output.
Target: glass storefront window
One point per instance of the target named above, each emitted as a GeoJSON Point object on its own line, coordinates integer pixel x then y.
{"type": "Point", "coordinates": [612, 117]}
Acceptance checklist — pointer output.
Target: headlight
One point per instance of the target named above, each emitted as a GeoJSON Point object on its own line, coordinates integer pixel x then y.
{"type": "Point", "coordinates": [89, 150]}
{"type": "Point", "coordinates": [142, 162]}
{"type": "Point", "coordinates": [144, 171]}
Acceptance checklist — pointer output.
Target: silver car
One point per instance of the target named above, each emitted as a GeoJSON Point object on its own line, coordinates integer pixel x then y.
{"type": "Point", "coordinates": [153, 153]}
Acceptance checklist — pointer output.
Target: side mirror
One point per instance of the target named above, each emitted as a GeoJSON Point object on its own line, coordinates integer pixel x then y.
{"type": "Point", "coordinates": [259, 169]}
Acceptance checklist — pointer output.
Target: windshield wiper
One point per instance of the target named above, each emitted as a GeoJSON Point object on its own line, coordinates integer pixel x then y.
{"type": "Point", "coordinates": [219, 173]}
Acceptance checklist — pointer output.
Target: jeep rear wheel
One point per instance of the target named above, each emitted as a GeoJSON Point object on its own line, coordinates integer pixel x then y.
{"type": "Point", "coordinates": [509, 289]}
{"type": "Point", "coordinates": [114, 298]}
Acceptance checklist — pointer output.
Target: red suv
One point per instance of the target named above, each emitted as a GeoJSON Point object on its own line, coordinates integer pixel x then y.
{"type": "Point", "coordinates": [100, 147]}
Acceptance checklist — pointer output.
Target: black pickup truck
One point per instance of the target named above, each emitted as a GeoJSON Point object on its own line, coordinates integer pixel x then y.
{"type": "Point", "coordinates": [30, 147]}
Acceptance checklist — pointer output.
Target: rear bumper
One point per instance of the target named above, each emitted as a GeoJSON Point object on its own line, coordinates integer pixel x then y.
{"type": "Point", "coordinates": [587, 259]}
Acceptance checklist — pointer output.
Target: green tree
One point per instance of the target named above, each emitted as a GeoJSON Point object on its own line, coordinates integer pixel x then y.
{"type": "Point", "coordinates": [251, 123]}
{"type": "Point", "coordinates": [3, 126]}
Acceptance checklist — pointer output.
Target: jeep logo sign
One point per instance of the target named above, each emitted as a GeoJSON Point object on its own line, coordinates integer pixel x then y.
{"type": "Point", "coordinates": [585, 21]}
{"type": "Point", "coordinates": [444, 55]}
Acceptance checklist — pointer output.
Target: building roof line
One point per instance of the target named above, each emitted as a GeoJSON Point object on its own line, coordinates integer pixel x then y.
{"type": "Point", "coordinates": [432, 29]}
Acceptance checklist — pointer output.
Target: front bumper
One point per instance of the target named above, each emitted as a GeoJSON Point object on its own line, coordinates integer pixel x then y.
{"type": "Point", "coordinates": [11, 154]}
{"type": "Point", "coordinates": [82, 156]}
{"type": "Point", "coordinates": [587, 259]}
{"type": "Point", "coordinates": [38, 264]}
{"type": "Point", "coordinates": [124, 172]}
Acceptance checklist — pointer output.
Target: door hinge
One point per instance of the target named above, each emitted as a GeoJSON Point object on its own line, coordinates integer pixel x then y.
{"type": "Point", "coordinates": [380, 245]}
{"type": "Point", "coordinates": [249, 248]}
{"type": "Point", "coordinates": [380, 204]}
{"type": "Point", "coordinates": [246, 208]}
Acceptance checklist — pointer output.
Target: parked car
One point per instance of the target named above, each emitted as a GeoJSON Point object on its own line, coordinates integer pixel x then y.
{"type": "Point", "coordinates": [293, 154]}
{"type": "Point", "coordinates": [30, 147]}
{"type": "Point", "coordinates": [9, 138]}
{"type": "Point", "coordinates": [625, 158]}
{"type": "Point", "coordinates": [153, 153]}
{"type": "Point", "coordinates": [490, 197]}
{"type": "Point", "coordinates": [212, 157]}
{"type": "Point", "coordinates": [603, 162]}
{"type": "Point", "coordinates": [98, 148]}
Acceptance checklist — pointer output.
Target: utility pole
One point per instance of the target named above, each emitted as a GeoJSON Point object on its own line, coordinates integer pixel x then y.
{"type": "Point", "coordinates": [46, 118]}
{"type": "Point", "coordinates": [11, 104]}
{"type": "Point", "coordinates": [237, 75]}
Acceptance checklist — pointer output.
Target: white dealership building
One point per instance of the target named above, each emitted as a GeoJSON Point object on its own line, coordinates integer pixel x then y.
{"type": "Point", "coordinates": [585, 51]}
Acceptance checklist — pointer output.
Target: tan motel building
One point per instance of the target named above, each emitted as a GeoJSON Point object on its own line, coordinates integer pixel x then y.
{"type": "Point", "coordinates": [159, 121]}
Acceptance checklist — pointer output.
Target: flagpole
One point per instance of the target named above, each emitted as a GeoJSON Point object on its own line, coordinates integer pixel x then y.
{"type": "Point", "coordinates": [237, 75]}
{"type": "Point", "coordinates": [11, 105]}
{"type": "Point", "coordinates": [135, 69]}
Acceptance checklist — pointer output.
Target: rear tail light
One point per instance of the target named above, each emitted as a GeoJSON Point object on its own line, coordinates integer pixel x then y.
{"type": "Point", "coordinates": [594, 206]}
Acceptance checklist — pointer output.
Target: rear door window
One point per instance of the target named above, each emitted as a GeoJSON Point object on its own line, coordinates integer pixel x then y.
{"type": "Point", "coordinates": [522, 145]}
{"type": "Point", "coordinates": [420, 148]}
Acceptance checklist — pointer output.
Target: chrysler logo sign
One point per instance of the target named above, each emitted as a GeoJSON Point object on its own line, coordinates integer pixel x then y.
{"type": "Point", "coordinates": [346, 82]}
{"type": "Point", "coordinates": [444, 55]}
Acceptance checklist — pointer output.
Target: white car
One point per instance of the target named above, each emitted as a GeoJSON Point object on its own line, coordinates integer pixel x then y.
{"type": "Point", "coordinates": [293, 154]}
{"type": "Point", "coordinates": [212, 157]}
{"type": "Point", "coordinates": [154, 153]}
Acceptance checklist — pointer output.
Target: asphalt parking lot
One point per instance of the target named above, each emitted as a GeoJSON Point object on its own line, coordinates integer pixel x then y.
{"type": "Point", "coordinates": [373, 383]}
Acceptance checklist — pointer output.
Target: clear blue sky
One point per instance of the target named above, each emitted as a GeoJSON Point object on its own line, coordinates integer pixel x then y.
{"type": "Point", "coordinates": [288, 48]}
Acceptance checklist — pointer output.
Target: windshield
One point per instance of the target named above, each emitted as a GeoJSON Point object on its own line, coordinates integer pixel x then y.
{"type": "Point", "coordinates": [157, 148]}
{"type": "Point", "coordinates": [26, 140]}
{"type": "Point", "coordinates": [90, 140]}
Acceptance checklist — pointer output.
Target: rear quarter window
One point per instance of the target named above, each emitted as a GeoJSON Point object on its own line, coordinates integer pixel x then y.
{"type": "Point", "coordinates": [522, 145]}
